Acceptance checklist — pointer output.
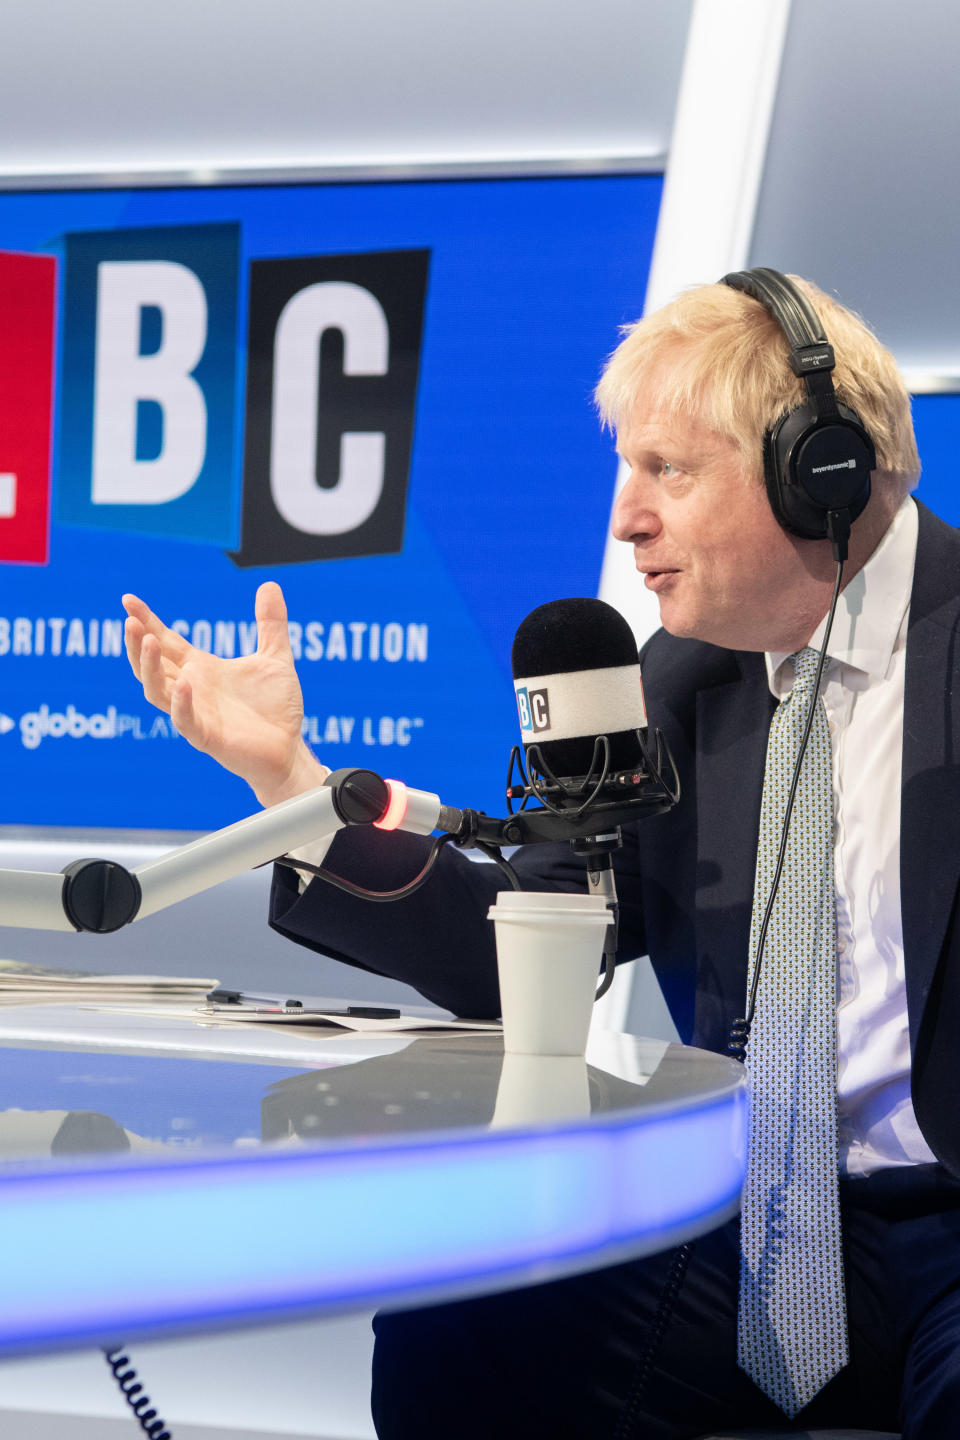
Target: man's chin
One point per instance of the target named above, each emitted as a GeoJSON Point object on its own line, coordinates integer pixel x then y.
{"type": "Point", "coordinates": [711, 634]}
{"type": "Point", "coordinates": [675, 622]}
{"type": "Point", "coordinates": [685, 626]}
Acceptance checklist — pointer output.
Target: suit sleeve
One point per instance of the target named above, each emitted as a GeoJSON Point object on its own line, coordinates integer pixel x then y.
{"type": "Point", "coordinates": [439, 939]}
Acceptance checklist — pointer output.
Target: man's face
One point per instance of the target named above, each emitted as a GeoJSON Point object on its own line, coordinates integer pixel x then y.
{"type": "Point", "coordinates": [706, 540]}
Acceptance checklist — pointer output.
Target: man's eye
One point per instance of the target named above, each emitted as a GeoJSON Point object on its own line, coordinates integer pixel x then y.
{"type": "Point", "coordinates": [667, 467]}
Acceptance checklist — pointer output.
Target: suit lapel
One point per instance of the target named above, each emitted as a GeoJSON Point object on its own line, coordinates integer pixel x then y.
{"type": "Point", "coordinates": [733, 721]}
{"type": "Point", "coordinates": [930, 799]}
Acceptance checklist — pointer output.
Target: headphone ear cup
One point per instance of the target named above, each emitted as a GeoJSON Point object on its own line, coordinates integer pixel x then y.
{"type": "Point", "coordinates": [816, 466]}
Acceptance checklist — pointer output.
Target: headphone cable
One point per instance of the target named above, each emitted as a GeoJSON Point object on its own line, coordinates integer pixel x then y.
{"type": "Point", "coordinates": [740, 1030]}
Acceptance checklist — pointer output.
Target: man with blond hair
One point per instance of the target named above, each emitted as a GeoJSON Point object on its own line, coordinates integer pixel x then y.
{"type": "Point", "coordinates": [864, 1327]}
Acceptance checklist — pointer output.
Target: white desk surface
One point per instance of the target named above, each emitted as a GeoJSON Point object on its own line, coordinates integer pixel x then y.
{"type": "Point", "coordinates": [157, 1175]}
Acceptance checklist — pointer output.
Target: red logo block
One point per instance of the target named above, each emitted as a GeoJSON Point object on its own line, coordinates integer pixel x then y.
{"type": "Point", "coordinates": [27, 299]}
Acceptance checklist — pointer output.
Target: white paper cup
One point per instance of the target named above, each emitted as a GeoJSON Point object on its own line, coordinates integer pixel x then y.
{"type": "Point", "coordinates": [549, 950]}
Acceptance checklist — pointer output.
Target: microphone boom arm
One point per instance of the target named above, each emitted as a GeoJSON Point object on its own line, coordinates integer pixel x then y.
{"type": "Point", "coordinates": [102, 895]}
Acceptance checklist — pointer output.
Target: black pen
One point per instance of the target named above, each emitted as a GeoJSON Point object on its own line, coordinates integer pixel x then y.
{"type": "Point", "coordinates": [274, 1007]}
{"type": "Point", "coordinates": [221, 996]}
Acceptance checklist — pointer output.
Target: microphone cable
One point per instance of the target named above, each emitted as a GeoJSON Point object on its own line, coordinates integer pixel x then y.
{"type": "Point", "coordinates": [740, 1030]}
{"type": "Point", "coordinates": [387, 896]}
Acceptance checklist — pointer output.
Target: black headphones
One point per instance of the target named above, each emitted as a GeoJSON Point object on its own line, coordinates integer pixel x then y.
{"type": "Point", "coordinates": [817, 458]}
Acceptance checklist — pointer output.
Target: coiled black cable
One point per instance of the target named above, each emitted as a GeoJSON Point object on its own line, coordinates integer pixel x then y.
{"type": "Point", "coordinates": [661, 1322]}
{"type": "Point", "coordinates": [135, 1395]}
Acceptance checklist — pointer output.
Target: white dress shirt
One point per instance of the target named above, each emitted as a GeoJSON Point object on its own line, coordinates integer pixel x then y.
{"type": "Point", "coordinates": [862, 690]}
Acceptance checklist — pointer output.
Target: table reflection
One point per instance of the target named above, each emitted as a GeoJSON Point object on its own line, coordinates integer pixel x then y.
{"type": "Point", "coordinates": [62, 1103]}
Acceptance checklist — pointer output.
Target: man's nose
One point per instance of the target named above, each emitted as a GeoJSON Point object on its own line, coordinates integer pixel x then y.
{"type": "Point", "coordinates": [634, 513]}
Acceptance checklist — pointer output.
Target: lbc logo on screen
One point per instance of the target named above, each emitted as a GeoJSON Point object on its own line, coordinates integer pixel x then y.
{"type": "Point", "coordinates": [149, 436]}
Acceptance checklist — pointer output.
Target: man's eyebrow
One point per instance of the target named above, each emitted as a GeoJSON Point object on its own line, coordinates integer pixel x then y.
{"type": "Point", "coordinates": [647, 452]}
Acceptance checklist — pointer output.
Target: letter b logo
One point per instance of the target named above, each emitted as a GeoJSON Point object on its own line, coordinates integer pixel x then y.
{"type": "Point", "coordinates": [147, 381]}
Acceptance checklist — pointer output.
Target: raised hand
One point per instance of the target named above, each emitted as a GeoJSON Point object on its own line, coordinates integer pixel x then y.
{"type": "Point", "coordinates": [245, 713]}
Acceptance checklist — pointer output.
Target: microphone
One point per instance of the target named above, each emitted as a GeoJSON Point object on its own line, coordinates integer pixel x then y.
{"type": "Point", "coordinates": [579, 698]}
{"type": "Point", "coordinates": [583, 721]}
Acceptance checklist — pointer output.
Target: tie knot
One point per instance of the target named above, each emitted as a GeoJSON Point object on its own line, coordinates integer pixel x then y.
{"type": "Point", "coordinates": [805, 664]}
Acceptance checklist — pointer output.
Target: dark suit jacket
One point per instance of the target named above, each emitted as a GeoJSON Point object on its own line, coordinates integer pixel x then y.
{"type": "Point", "coordinates": [685, 880]}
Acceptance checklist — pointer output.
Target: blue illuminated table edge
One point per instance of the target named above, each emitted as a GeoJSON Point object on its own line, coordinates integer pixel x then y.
{"type": "Point", "coordinates": [386, 1221]}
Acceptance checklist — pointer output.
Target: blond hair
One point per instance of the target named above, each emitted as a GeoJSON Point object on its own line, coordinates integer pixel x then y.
{"type": "Point", "coordinates": [718, 355]}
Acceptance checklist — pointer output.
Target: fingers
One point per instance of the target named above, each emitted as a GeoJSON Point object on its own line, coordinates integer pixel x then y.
{"type": "Point", "coordinates": [273, 637]}
{"type": "Point", "coordinates": [134, 638]}
{"type": "Point", "coordinates": [138, 610]}
{"type": "Point", "coordinates": [183, 713]}
{"type": "Point", "coordinates": [174, 646]}
{"type": "Point", "coordinates": [134, 605]}
{"type": "Point", "coordinates": [133, 633]}
{"type": "Point", "coordinates": [153, 674]}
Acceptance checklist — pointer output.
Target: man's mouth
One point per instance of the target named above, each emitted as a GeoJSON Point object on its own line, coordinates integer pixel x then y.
{"type": "Point", "coordinates": [655, 580]}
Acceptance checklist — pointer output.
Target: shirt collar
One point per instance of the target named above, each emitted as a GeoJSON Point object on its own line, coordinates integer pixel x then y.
{"type": "Point", "coordinates": [871, 609]}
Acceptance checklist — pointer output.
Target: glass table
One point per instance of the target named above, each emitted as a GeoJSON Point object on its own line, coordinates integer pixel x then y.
{"type": "Point", "coordinates": [160, 1175]}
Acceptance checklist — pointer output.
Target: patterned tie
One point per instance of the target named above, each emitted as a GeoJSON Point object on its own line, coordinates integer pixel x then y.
{"type": "Point", "coordinates": [792, 1323]}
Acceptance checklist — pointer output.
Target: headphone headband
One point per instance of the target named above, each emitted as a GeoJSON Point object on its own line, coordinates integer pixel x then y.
{"type": "Point", "coordinates": [811, 353]}
{"type": "Point", "coordinates": [777, 293]}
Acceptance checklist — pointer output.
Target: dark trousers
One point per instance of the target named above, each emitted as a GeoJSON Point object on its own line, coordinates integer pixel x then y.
{"type": "Point", "coordinates": [561, 1360]}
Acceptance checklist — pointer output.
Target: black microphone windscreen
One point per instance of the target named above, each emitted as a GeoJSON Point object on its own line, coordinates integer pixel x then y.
{"type": "Point", "coordinates": [576, 634]}
{"type": "Point", "coordinates": [564, 716]}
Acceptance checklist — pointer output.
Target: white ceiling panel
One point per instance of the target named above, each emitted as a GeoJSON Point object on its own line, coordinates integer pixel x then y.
{"type": "Point", "coordinates": [208, 85]}
{"type": "Point", "coordinates": [860, 184]}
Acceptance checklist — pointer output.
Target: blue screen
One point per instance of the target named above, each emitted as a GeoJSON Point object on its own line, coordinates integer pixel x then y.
{"type": "Point", "coordinates": [495, 302]}
{"type": "Point", "coordinates": [936, 420]}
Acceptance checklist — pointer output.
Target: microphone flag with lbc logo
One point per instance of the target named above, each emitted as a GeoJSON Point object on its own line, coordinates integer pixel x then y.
{"type": "Point", "coordinates": [577, 677]}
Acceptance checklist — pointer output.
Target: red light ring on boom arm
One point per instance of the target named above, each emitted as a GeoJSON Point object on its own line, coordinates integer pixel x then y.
{"type": "Point", "coordinates": [392, 817]}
